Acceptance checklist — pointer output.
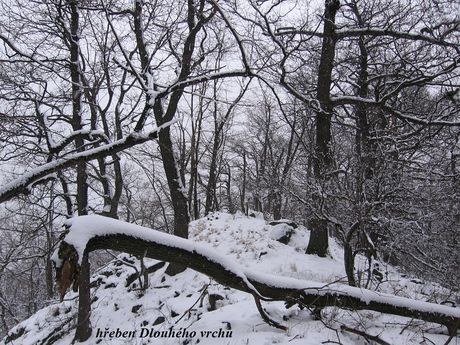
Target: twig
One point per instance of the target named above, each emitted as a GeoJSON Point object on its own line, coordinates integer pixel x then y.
{"type": "Point", "coordinates": [148, 270]}
{"type": "Point", "coordinates": [453, 332]}
{"type": "Point", "coordinates": [366, 336]}
{"type": "Point", "coordinates": [265, 317]}
{"type": "Point", "coordinates": [204, 291]}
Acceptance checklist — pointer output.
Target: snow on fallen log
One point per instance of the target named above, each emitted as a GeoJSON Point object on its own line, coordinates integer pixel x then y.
{"type": "Point", "coordinates": [89, 233]}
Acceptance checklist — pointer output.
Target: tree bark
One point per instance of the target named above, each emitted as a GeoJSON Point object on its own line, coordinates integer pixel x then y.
{"type": "Point", "coordinates": [243, 185]}
{"type": "Point", "coordinates": [318, 243]}
{"type": "Point", "coordinates": [83, 331]}
{"type": "Point", "coordinates": [194, 159]}
{"type": "Point", "coordinates": [277, 203]}
{"type": "Point", "coordinates": [323, 157]}
{"type": "Point", "coordinates": [179, 200]}
{"type": "Point", "coordinates": [212, 180]}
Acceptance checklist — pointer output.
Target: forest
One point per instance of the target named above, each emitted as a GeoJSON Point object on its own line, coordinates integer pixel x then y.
{"type": "Point", "coordinates": [124, 125]}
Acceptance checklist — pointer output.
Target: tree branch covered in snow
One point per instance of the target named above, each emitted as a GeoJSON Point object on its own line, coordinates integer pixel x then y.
{"type": "Point", "coordinates": [89, 233]}
{"type": "Point", "coordinates": [21, 185]}
{"type": "Point", "coordinates": [372, 32]}
{"type": "Point", "coordinates": [354, 100]}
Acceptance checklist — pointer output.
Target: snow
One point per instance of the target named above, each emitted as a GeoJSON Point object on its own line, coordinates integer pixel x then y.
{"type": "Point", "coordinates": [152, 78]}
{"type": "Point", "coordinates": [55, 258]}
{"type": "Point", "coordinates": [241, 244]}
{"type": "Point", "coordinates": [279, 231]}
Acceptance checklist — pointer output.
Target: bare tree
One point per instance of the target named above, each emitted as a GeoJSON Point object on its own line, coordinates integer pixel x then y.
{"type": "Point", "coordinates": [367, 85]}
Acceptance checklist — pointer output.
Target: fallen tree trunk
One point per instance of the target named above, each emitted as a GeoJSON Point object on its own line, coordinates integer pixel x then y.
{"type": "Point", "coordinates": [89, 233]}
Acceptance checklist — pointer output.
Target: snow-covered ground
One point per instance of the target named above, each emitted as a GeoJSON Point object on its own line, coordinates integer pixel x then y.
{"type": "Point", "coordinates": [190, 308]}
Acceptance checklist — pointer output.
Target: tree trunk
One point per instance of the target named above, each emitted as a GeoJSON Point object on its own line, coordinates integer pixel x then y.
{"type": "Point", "coordinates": [323, 159]}
{"type": "Point", "coordinates": [318, 243]}
{"type": "Point", "coordinates": [83, 331]}
{"type": "Point", "coordinates": [231, 205]}
{"type": "Point", "coordinates": [176, 188]}
{"type": "Point", "coordinates": [178, 198]}
{"type": "Point", "coordinates": [243, 186]}
{"type": "Point", "coordinates": [49, 277]}
{"type": "Point", "coordinates": [277, 204]}
{"type": "Point", "coordinates": [365, 150]}
{"type": "Point", "coordinates": [348, 255]}
{"type": "Point", "coordinates": [212, 181]}
{"type": "Point", "coordinates": [194, 157]}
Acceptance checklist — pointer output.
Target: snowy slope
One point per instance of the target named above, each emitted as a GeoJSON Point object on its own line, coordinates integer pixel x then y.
{"type": "Point", "coordinates": [189, 308]}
